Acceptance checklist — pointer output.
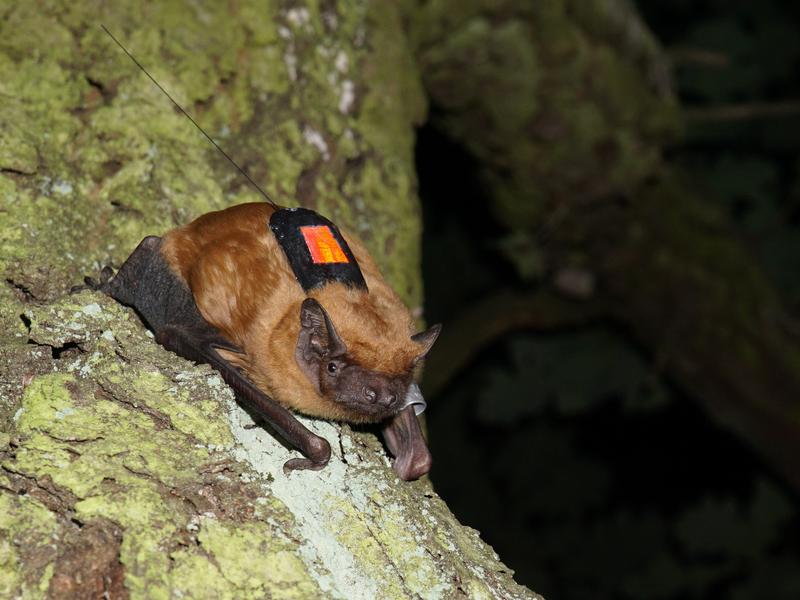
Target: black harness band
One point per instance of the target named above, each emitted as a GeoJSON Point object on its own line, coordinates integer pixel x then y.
{"type": "Point", "coordinates": [315, 249]}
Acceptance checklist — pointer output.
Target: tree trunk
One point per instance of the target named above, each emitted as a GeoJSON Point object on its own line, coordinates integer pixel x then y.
{"type": "Point", "coordinates": [126, 471]}
{"type": "Point", "coordinates": [572, 161]}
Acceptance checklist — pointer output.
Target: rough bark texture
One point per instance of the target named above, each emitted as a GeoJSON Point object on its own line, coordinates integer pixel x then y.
{"type": "Point", "coordinates": [572, 160]}
{"type": "Point", "coordinates": [125, 470]}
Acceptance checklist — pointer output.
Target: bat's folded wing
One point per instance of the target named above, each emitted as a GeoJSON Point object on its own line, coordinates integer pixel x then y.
{"type": "Point", "coordinates": [405, 441]}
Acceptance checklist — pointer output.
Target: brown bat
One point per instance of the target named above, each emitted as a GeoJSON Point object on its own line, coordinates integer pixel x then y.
{"type": "Point", "coordinates": [285, 306]}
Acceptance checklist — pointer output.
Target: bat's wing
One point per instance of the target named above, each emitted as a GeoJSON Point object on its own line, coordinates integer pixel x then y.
{"type": "Point", "coordinates": [404, 438]}
{"type": "Point", "coordinates": [147, 284]}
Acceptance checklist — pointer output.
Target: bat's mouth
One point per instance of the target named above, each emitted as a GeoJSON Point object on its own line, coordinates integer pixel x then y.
{"type": "Point", "coordinates": [371, 395]}
{"type": "Point", "coordinates": [374, 410]}
{"type": "Point", "coordinates": [377, 411]}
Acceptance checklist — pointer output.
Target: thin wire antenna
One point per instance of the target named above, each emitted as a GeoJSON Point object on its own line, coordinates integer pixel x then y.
{"type": "Point", "coordinates": [188, 116]}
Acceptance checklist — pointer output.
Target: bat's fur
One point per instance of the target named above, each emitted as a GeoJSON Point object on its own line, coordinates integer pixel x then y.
{"type": "Point", "coordinates": [243, 285]}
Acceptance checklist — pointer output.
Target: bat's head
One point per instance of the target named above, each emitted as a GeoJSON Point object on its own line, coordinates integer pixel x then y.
{"type": "Point", "coordinates": [369, 379]}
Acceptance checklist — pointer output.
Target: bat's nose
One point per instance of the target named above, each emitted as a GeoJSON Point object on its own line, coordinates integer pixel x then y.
{"type": "Point", "coordinates": [387, 399]}
{"type": "Point", "coordinates": [370, 394]}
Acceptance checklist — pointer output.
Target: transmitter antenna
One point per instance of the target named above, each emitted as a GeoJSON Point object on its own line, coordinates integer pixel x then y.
{"type": "Point", "coordinates": [188, 116]}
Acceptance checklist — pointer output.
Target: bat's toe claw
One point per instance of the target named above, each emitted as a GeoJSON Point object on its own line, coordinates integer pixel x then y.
{"type": "Point", "coordinates": [106, 274]}
{"type": "Point", "coordinates": [90, 283]}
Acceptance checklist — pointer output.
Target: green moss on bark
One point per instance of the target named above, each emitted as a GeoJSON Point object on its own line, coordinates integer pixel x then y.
{"type": "Point", "coordinates": [106, 431]}
{"type": "Point", "coordinates": [304, 99]}
{"type": "Point", "coordinates": [125, 436]}
{"type": "Point", "coordinates": [550, 108]}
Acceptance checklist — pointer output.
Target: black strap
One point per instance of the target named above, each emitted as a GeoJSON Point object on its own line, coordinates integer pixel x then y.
{"type": "Point", "coordinates": [315, 249]}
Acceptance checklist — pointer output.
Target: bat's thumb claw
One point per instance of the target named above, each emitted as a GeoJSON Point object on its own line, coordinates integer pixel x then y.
{"type": "Point", "coordinates": [302, 464]}
{"type": "Point", "coordinates": [319, 452]}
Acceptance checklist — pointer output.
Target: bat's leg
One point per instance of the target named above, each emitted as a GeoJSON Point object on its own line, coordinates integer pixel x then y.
{"type": "Point", "coordinates": [404, 438]}
{"type": "Point", "coordinates": [199, 346]}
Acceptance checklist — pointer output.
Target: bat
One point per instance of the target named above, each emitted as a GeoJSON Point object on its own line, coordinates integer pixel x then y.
{"type": "Point", "coordinates": [292, 312]}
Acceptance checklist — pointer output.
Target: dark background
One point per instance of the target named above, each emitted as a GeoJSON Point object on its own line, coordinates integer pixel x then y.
{"type": "Point", "coordinates": [590, 471]}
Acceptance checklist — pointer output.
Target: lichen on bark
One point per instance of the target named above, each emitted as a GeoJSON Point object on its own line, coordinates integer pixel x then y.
{"type": "Point", "coordinates": [121, 437]}
{"type": "Point", "coordinates": [125, 470]}
{"type": "Point", "coordinates": [567, 107]}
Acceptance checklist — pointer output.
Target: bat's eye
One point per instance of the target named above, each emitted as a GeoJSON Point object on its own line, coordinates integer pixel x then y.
{"type": "Point", "coordinates": [332, 368]}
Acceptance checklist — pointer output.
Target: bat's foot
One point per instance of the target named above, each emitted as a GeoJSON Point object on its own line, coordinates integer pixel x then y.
{"type": "Point", "coordinates": [90, 283]}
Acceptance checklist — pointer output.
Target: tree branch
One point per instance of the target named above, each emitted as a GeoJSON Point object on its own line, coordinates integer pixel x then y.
{"type": "Point", "coordinates": [743, 112]}
{"type": "Point", "coordinates": [494, 316]}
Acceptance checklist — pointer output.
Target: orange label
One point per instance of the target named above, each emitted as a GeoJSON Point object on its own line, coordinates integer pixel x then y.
{"type": "Point", "coordinates": [322, 245]}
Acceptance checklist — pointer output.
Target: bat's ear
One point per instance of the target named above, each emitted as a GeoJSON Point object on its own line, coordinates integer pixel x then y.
{"type": "Point", "coordinates": [425, 339]}
{"type": "Point", "coordinates": [318, 341]}
{"type": "Point", "coordinates": [318, 338]}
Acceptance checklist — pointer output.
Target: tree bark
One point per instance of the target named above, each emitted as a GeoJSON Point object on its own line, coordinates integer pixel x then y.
{"type": "Point", "coordinates": [567, 106]}
{"type": "Point", "coordinates": [124, 470]}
